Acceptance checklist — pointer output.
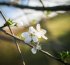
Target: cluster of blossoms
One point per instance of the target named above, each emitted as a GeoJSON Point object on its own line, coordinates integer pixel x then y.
{"type": "Point", "coordinates": [33, 36]}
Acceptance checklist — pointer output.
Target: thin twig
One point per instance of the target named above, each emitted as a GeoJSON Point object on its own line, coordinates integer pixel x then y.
{"type": "Point", "coordinates": [14, 39]}
{"type": "Point", "coordinates": [44, 52]}
{"type": "Point", "coordinates": [6, 21]}
{"type": "Point", "coordinates": [42, 4]}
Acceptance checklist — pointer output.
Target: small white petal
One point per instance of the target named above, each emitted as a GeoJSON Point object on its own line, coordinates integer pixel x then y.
{"type": "Point", "coordinates": [38, 46]}
{"type": "Point", "coordinates": [25, 34]}
{"type": "Point", "coordinates": [28, 39]}
{"type": "Point", "coordinates": [31, 29]}
{"type": "Point", "coordinates": [38, 34]}
{"type": "Point", "coordinates": [44, 37]}
{"type": "Point", "coordinates": [43, 31]}
{"type": "Point", "coordinates": [38, 27]}
{"type": "Point", "coordinates": [34, 38]}
{"type": "Point", "coordinates": [34, 50]}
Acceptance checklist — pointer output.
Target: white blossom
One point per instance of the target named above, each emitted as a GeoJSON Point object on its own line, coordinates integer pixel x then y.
{"type": "Point", "coordinates": [33, 34]}
{"type": "Point", "coordinates": [30, 36]}
{"type": "Point", "coordinates": [32, 30]}
{"type": "Point", "coordinates": [40, 32]}
{"type": "Point", "coordinates": [34, 49]}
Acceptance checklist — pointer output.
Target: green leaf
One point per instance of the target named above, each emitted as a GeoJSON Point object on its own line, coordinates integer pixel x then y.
{"type": "Point", "coordinates": [11, 23]}
{"type": "Point", "coordinates": [18, 36]}
{"type": "Point", "coordinates": [48, 12]}
{"type": "Point", "coordinates": [9, 19]}
{"type": "Point", "coordinates": [21, 37]}
{"type": "Point", "coordinates": [65, 55]}
{"type": "Point", "coordinates": [16, 25]}
{"type": "Point", "coordinates": [33, 21]}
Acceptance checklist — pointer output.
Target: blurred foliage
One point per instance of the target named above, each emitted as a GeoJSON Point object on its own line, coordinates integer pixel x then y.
{"type": "Point", "coordinates": [65, 55]}
{"type": "Point", "coordinates": [59, 27]}
{"type": "Point", "coordinates": [48, 12]}
{"type": "Point", "coordinates": [33, 22]}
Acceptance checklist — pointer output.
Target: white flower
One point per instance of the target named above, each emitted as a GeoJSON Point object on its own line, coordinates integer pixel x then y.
{"type": "Point", "coordinates": [40, 32]}
{"type": "Point", "coordinates": [34, 49]}
{"type": "Point", "coordinates": [30, 36]}
{"type": "Point", "coordinates": [34, 34]}
{"type": "Point", "coordinates": [32, 30]}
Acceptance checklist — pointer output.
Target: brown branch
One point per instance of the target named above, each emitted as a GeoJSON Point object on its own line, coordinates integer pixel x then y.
{"type": "Point", "coordinates": [55, 8]}
{"type": "Point", "coordinates": [14, 39]}
{"type": "Point", "coordinates": [44, 52]}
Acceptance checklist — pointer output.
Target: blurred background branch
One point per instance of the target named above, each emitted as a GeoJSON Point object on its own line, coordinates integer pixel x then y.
{"type": "Point", "coordinates": [55, 8]}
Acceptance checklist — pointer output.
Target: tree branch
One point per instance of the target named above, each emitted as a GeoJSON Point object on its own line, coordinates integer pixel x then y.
{"type": "Point", "coordinates": [55, 8]}
{"type": "Point", "coordinates": [60, 60]}
{"type": "Point", "coordinates": [14, 39]}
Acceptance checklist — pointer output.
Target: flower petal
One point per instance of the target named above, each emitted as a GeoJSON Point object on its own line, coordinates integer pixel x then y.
{"type": "Point", "coordinates": [31, 29]}
{"type": "Point", "coordinates": [25, 34]}
{"type": "Point", "coordinates": [38, 34]}
{"type": "Point", "coordinates": [44, 37]}
{"type": "Point", "coordinates": [34, 50]}
{"type": "Point", "coordinates": [34, 38]}
{"type": "Point", "coordinates": [43, 31]}
{"type": "Point", "coordinates": [38, 46]}
{"type": "Point", "coordinates": [38, 27]}
{"type": "Point", "coordinates": [28, 39]}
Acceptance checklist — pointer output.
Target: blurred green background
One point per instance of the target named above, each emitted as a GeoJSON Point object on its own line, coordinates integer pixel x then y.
{"type": "Point", "coordinates": [58, 33]}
